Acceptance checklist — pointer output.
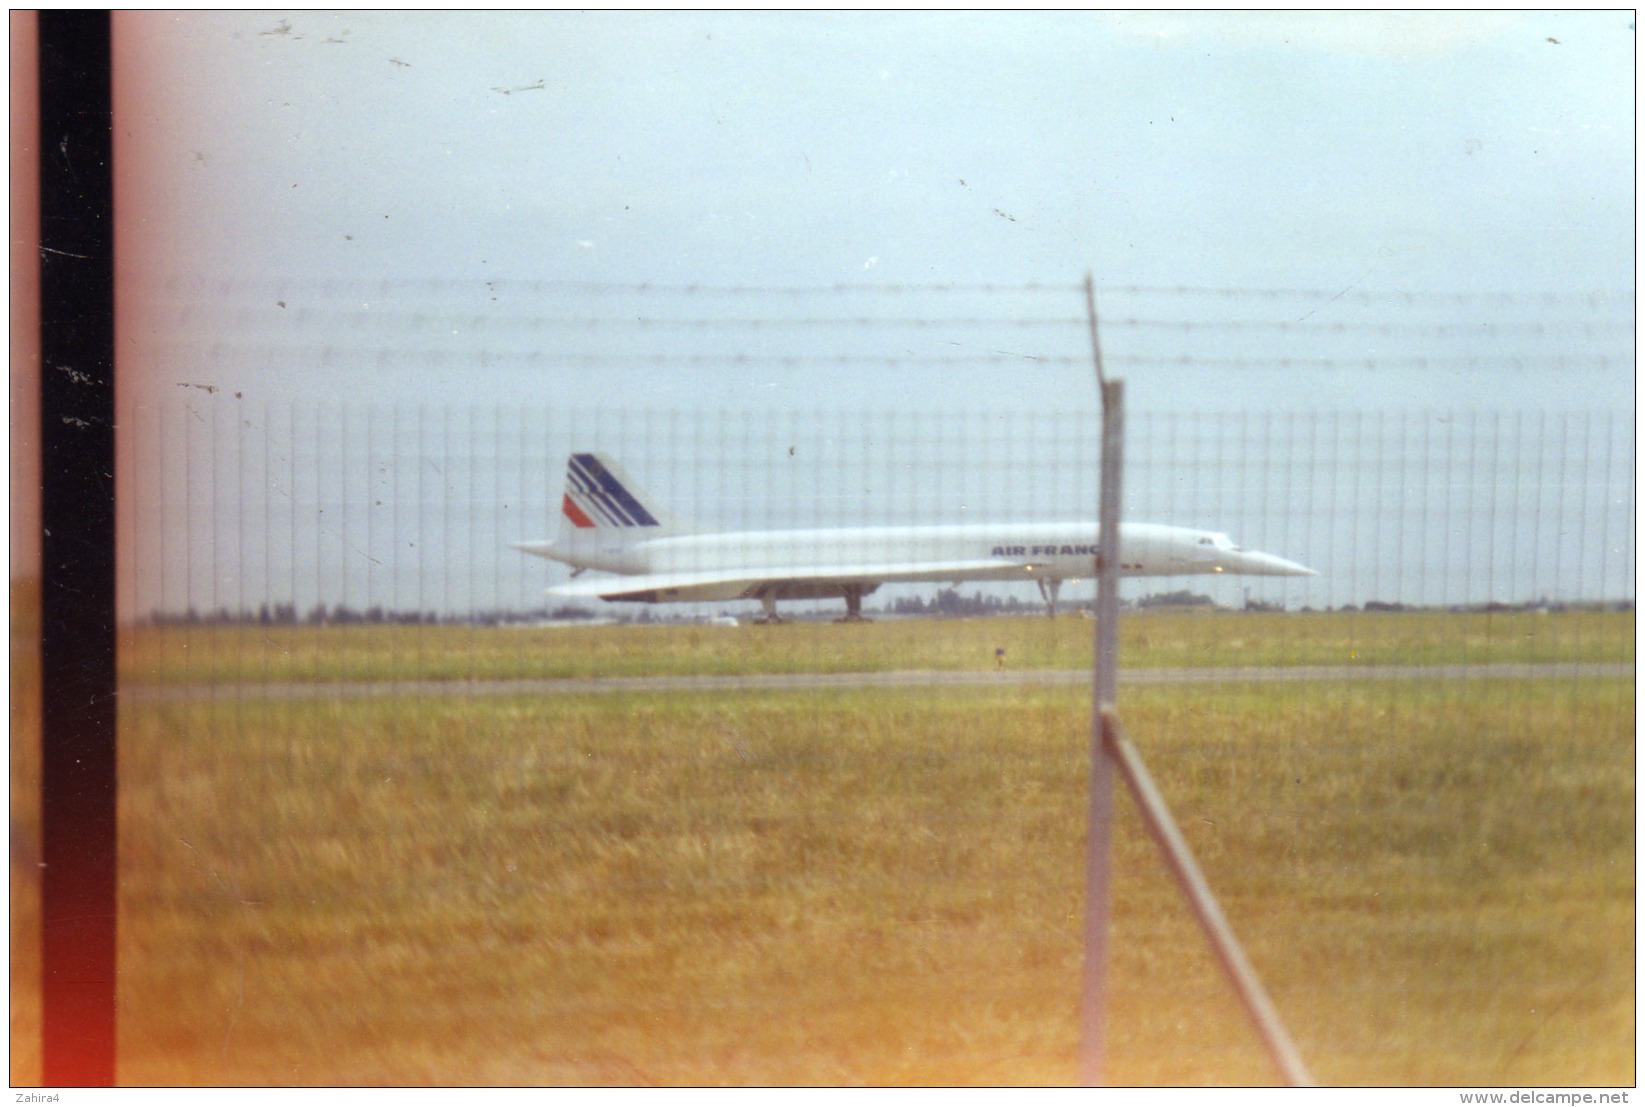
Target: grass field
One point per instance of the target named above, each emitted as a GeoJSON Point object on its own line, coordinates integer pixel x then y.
{"type": "Point", "coordinates": [228, 654]}
{"type": "Point", "coordinates": [1435, 878]}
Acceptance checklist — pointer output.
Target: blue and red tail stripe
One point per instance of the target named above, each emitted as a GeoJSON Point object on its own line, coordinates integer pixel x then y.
{"type": "Point", "coordinates": [575, 513]}
{"type": "Point", "coordinates": [591, 484]}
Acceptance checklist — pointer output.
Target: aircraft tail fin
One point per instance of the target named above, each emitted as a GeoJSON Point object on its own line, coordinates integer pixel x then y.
{"type": "Point", "coordinates": [600, 497]}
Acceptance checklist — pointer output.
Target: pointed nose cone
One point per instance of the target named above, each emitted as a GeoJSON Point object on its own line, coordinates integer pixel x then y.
{"type": "Point", "coordinates": [1257, 564]}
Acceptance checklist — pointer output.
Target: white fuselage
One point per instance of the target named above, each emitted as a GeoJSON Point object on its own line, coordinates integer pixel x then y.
{"type": "Point", "coordinates": [607, 524]}
{"type": "Point", "coordinates": [1025, 551]}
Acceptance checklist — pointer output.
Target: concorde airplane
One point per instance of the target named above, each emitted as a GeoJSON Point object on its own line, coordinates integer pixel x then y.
{"type": "Point", "coordinates": [645, 555]}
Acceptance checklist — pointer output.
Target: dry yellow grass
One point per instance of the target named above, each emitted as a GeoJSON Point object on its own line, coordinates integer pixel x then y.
{"type": "Point", "coordinates": [1436, 881]}
{"type": "Point", "coordinates": [229, 654]}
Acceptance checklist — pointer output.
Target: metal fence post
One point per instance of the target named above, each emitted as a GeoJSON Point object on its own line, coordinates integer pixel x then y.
{"type": "Point", "coordinates": [1099, 828]}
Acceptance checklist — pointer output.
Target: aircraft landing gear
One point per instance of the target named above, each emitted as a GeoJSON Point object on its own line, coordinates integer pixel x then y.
{"type": "Point", "coordinates": [769, 602]}
{"type": "Point", "coordinates": [1049, 587]}
{"type": "Point", "coordinates": [853, 604]}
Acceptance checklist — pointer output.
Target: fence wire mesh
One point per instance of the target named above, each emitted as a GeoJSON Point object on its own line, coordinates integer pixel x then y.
{"type": "Point", "coordinates": [238, 508]}
{"type": "Point", "coordinates": [394, 812]}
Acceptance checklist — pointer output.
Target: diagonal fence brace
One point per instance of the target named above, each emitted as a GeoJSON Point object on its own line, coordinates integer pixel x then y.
{"type": "Point", "coordinates": [1180, 860]}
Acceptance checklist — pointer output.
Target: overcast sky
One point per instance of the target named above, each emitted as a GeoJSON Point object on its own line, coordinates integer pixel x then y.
{"type": "Point", "coordinates": [1456, 152]}
{"type": "Point", "coordinates": [1386, 211]}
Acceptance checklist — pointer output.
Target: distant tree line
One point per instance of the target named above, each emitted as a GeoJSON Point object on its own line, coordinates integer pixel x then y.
{"type": "Point", "coordinates": [948, 603]}
{"type": "Point", "coordinates": [286, 614]}
{"type": "Point", "coordinates": [1496, 606]}
{"type": "Point", "coordinates": [1180, 598]}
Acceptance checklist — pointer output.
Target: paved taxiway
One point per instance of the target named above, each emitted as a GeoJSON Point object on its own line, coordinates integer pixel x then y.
{"type": "Point", "coordinates": [581, 686]}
